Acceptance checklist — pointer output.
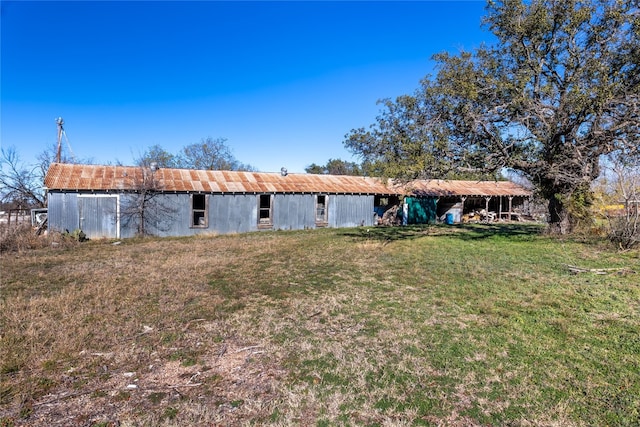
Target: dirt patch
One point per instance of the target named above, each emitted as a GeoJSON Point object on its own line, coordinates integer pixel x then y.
{"type": "Point", "coordinates": [231, 383]}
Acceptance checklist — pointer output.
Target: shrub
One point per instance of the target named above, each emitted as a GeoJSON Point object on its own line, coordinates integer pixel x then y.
{"type": "Point", "coordinates": [22, 237]}
{"type": "Point", "coordinates": [624, 230]}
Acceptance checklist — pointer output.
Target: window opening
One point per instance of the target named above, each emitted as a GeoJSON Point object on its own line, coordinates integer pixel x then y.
{"type": "Point", "coordinates": [321, 209]}
{"type": "Point", "coordinates": [199, 210]}
{"type": "Point", "coordinates": [264, 210]}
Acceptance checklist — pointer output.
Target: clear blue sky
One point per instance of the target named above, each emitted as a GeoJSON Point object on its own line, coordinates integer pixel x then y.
{"type": "Point", "coordinates": [283, 82]}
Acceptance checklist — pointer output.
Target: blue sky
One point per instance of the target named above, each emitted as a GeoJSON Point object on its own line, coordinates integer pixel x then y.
{"type": "Point", "coordinates": [283, 81]}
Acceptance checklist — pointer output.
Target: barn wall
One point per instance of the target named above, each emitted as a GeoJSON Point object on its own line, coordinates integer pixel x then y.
{"type": "Point", "coordinates": [238, 213]}
{"type": "Point", "coordinates": [99, 215]}
{"type": "Point", "coordinates": [95, 214]}
{"type": "Point", "coordinates": [227, 213]}
{"type": "Point", "coordinates": [233, 213]}
{"type": "Point", "coordinates": [293, 211]}
{"type": "Point", "coordinates": [111, 215]}
{"type": "Point", "coordinates": [351, 210]}
{"type": "Point", "coordinates": [62, 212]}
{"type": "Point", "coordinates": [162, 213]}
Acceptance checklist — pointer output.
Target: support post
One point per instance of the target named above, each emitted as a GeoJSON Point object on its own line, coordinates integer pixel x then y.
{"type": "Point", "coordinates": [486, 207]}
{"type": "Point", "coordinates": [462, 198]}
{"type": "Point", "coordinates": [510, 199]}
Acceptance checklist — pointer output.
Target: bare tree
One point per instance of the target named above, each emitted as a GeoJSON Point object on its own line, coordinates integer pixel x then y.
{"type": "Point", "coordinates": [145, 207]}
{"type": "Point", "coordinates": [211, 154]}
{"type": "Point", "coordinates": [624, 224]}
{"type": "Point", "coordinates": [158, 155]}
{"type": "Point", "coordinates": [21, 185]}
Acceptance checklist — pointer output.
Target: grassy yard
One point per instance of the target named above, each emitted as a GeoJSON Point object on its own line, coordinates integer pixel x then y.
{"type": "Point", "coordinates": [436, 326]}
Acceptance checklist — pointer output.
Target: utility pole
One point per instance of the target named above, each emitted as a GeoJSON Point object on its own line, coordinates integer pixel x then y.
{"type": "Point", "coordinates": [59, 122]}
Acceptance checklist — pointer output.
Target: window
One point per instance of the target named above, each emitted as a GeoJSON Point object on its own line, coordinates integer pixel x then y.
{"type": "Point", "coordinates": [264, 211]}
{"type": "Point", "coordinates": [381, 201]}
{"type": "Point", "coordinates": [199, 216]}
{"type": "Point", "coordinates": [321, 210]}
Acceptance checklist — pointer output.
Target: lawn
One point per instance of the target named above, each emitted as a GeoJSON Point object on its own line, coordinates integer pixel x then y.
{"type": "Point", "coordinates": [437, 326]}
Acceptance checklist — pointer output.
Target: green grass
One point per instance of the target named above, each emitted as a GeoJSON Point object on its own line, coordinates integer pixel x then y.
{"type": "Point", "coordinates": [465, 325]}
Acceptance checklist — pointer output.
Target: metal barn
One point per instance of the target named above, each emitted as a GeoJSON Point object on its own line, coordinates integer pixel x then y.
{"type": "Point", "coordinates": [113, 201]}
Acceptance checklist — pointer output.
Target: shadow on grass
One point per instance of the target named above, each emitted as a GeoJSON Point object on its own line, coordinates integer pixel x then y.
{"type": "Point", "coordinates": [483, 231]}
{"type": "Point", "coordinates": [461, 231]}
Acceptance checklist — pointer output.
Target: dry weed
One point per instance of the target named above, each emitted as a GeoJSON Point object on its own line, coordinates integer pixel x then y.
{"type": "Point", "coordinates": [273, 328]}
{"type": "Point", "coordinates": [22, 237]}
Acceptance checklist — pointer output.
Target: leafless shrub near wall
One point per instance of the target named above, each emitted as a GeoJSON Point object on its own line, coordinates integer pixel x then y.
{"type": "Point", "coordinates": [624, 219]}
{"type": "Point", "coordinates": [145, 206]}
{"type": "Point", "coordinates": [22, 237]}
{"type": "Point", "coordinates": [624, 230]}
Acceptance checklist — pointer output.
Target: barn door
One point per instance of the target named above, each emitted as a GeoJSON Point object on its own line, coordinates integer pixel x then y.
{"type": "Point", "coordinates": [99, 216]}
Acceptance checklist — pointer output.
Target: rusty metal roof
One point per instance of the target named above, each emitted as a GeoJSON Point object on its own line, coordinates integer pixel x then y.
{"type": "Point", "coordinates": [75, 177]}
{"type": "Point", "coordinates": [442, 188]}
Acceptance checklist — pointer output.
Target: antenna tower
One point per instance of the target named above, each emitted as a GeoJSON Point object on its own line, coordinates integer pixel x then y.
{"type": "Point", "coordinates": [61, 132]}
{"type": "Point", "coordinates": [59, 122]}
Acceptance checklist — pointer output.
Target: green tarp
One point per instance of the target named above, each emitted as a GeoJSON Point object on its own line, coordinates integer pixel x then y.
{"type": "Point", "coordinates": [421, 210]}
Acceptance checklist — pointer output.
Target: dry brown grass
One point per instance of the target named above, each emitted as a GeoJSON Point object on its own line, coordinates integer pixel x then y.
{"type": "Point", "coordinates": [82, 326]}
{"type": "Point", "coordinates": [75, 322]}
{"type": "Point", "coordinates": [302, 328]}
{"type": "Point", "coordinates": [22, 237]}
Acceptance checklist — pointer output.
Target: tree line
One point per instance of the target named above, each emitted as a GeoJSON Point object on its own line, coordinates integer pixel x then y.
{"type": "Point", "coordinates": [209, 154]}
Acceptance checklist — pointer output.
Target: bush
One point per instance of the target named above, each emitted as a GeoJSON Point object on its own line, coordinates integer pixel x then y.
{"type": "Point", "coordinates": [22, 237]}
{"type": "Point", "coordinates": [624, 231]}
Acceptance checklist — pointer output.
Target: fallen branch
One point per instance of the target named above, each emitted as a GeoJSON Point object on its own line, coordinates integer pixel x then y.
{"type": "Point", "coordinates": [623, 270]}
{"type": "Point", "coordinates": [248, 348]}
{"type": "Point", "coordinates": [65, 395]}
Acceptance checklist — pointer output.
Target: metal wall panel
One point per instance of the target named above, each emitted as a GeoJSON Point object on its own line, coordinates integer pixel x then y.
{"type": "Point", "coordinates": [227, 213]}
{"type": "Point", "coordinates": [99, 216]}
{"type": "Point", "coordinates": [233, 213]}
{"type": "Point", "coordinates": [350, 210]}
{"type": "Point", "coordinates": [62, 213]}
{"type": "Point", "coordinates": [167, 215]}
{"type": "Point", "coordinates": [293, 211]}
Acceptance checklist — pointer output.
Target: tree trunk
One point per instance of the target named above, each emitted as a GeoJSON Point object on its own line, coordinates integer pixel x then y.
{"type": "Point", "coordinates": [142, 213]}
{"type": "Point", "coordinates": [559, 218]}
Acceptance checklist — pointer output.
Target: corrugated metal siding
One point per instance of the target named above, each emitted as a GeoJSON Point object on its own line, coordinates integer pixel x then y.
{"type": "Point", "coordinates": [350, 210]}
{"type": "Point", "coordinates": [293, 211]}
{"type": "Point", "coordinates": [233, 213]}
{"type": "Point", "coordinates": [238, 213]}
{"type": "Point", "coordinates": [62, 212]}
{"type": "Point", "coordinates": [171, 216]}
{"type": "Point", "coordinates": [98, 216]}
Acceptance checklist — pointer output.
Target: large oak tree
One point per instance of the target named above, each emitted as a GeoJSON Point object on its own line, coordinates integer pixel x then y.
{"type": "Point", "coordinates": [559, 89]}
